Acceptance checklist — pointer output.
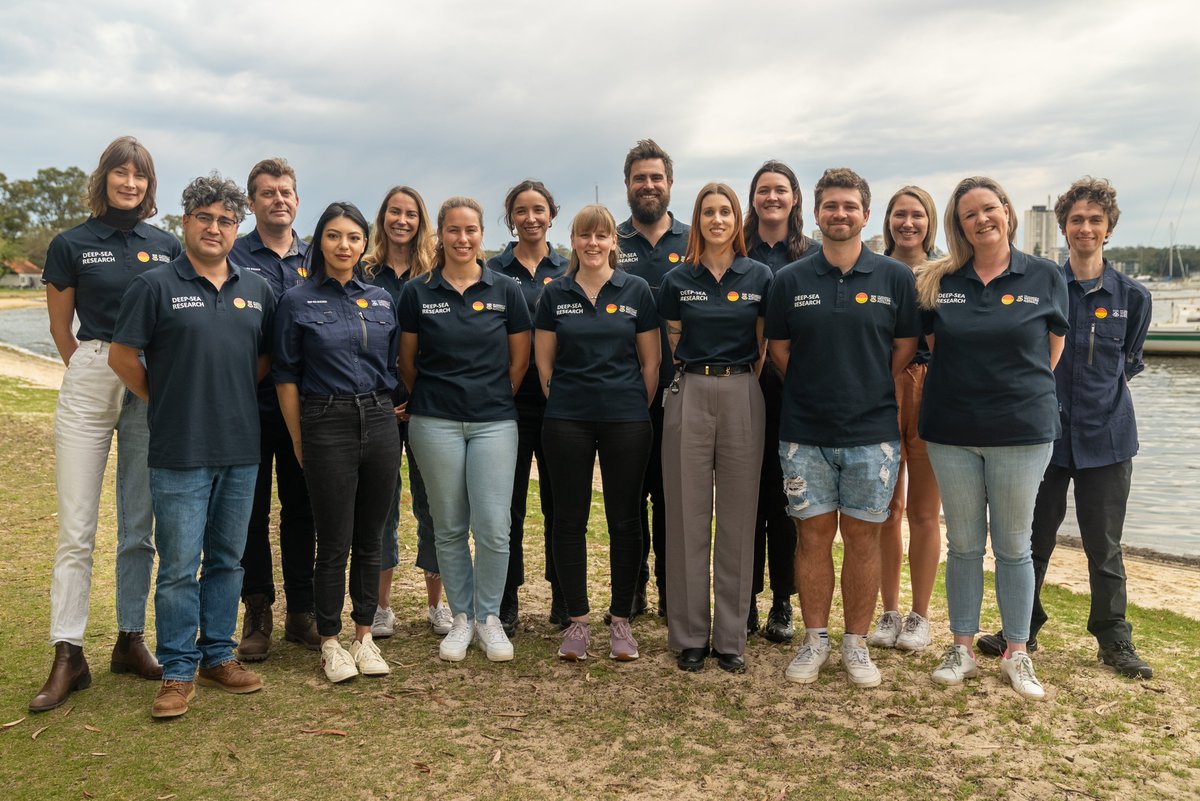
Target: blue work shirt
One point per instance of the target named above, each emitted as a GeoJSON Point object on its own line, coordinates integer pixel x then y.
{"type": "Point", "coordinates": [202, 347]}
{"type": "Point", "coordinates": [1103, 351]}
{"type": "Point", "coordinates": [282, 274]}
{"type": "Point", "coordinates": [99, 262]}
{"type": "Point", "coordinates": [651, 263]}
{"type": "Point", "coordinates": [719, 319]}
{"type": "Point", "coordinates": [550, 267]}
{"type": "Point", "coordinates": [597, 372]}
{"type": "Point", "coordinates": [462, 346]}
{"type": "Point", "coordinates": [332, 339]}
{"type": "Point", "coordinates": [838, 391]}
{"type": "Point", "coordinates": [989, 381]}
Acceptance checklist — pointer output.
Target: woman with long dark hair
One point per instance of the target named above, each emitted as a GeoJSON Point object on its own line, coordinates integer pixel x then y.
{"type": "Point", "coordinates": [336, 343]}
{"type": "Point", "coordinates": [87, 270]}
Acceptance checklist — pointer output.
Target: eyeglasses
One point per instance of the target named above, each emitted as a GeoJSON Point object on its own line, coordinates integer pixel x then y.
{"type": "Point", "coordinates": [206, 220]}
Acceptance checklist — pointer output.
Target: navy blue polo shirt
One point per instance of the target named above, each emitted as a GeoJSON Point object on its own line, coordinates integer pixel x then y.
{"type": "Point", "coordinates": [550, 267]}
{"type": "Point", "coordinates": [838, 391]}
{"type": "Point", "coordinates": [719, 318]}
{"type": "Point", "coordinates": [776, 256]}
{"type": "Point", "coordinates": [202, 348]}
{"type": "Point", "coordinates": [385, 278]}
{"type": "Point", "coordinates": [1103, 351]}
{"type": "Point", "coordinates": [282, 274]}
{"type": "Point", "coordinates": [651, 264]}
{"type": "Point", "coordinates": [597, 373]}
{"type": "Point", "coordinates": [99, 262]}
{"type": "Point", "coordinates": [332, 339]}
{"type": "Point", "coordinates": [462, 346]}
{"type": "Point", "coordinates": [989, 380]}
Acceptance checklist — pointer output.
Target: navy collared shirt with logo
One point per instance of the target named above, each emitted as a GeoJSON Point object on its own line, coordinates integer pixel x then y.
{"type": "Point", "coordinates": [332, 339]}
{"type": "Point", "coordinates": [462, 346]}
{"type": "Point", "coordinates": [719, 319]}
{"type": "Point", "coordinates": [550, 267]}
{"type": "Point", "coordinates": [597, 373]}
{"type": "Point", "coordinates": [282, 274]}
{"type": "Point", "coordinates": [838, 391]}
{"type": "Point", "coordinates": [651, 264]}
{"type": "Point", "coordinates": [989, 381]}
{"type": "Point", "coordinates": [202, 348]}
{"type": "Point", "coordinates": [99, 262]}
{"type": "Point", "coordinates": [776, 256]}
{"type": "Point", "coordinates": [1102, 352]}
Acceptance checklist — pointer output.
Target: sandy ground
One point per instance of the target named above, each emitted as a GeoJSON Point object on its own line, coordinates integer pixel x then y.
{"type": "Point", "coordinates": [9, 303]}
{"type": "Point", "coordinates": [1152, 583]}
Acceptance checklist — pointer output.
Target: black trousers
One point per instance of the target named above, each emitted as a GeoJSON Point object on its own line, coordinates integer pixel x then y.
{"type": "Point", "coordinates": [530, 411]}
{"type": "Point", "coordinates": [571, 448]}
{"type": "Point", "coordinates": [351, 449]}
{"type": "Point", "coordinates": [296, 537]}
{"type": "Point", "coordinates": [1101, 494]}
{"type": "Point", "coordinates": [774, 532]}
{"type": "Point", "coordinates": [654, 513]}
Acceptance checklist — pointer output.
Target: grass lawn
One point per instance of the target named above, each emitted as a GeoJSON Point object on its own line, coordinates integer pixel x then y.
{"type": "Point", "coordinates": [536, 728]}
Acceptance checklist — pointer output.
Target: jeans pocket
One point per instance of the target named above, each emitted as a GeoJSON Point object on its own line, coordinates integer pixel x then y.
{"type": "Point", "coordinates": [313, 410]}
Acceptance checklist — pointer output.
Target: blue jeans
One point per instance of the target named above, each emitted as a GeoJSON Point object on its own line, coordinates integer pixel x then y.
{"type": "Point", "coordinates": [468, 471]}
{"type": "Point", "coordinates": [200, 510]}
{"type": "Point", "coordinates": [989, 488]}
{"type": "Point", "coordinates": [135, 516]}
{"type": "Point", "coordinates": [426, 549]}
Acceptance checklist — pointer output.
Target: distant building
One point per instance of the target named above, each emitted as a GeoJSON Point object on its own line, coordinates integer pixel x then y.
{"type": "Point", "coordinates": [22, 274]}
{"type": "Point", "coordinates": [817, 236]}
{"type": "Point", "coordinates": [1041, 232]}
{"type": "Point", "coordinates": [875, 244]}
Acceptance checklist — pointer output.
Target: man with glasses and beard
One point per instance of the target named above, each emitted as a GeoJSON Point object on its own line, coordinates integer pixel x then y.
{"type": "Point", "coordinates": [652, 242]}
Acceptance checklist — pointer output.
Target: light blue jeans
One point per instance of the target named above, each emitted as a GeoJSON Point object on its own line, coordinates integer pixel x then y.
{"type": "Point", "coordinates": [201, 511]}
{"type": "Point", "coordinates": [468, 471]}
{"type": "Point", "coordinates": [989, 488]}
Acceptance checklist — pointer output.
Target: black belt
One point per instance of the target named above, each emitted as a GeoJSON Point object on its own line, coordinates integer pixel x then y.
{"type": "Point", "coordinates": [329, 400]}
{"type": "Point", "coordinates": [721, 370]}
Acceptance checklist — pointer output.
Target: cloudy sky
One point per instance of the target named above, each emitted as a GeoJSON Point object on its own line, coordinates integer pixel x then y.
{"type": "Point", "coordinates": [471, 97]}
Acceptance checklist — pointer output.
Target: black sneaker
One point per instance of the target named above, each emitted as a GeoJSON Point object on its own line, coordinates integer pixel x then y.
{"type": "Point", "coordinates": [1121, 657]}
{"type": "Point", "coordinates": [995, 644]}
{"type": "Point", "coordinates": [752, 618]}
{"type": "Point", "coordinates": [508, 613]}
{"type": "Point", "coordinates": [779, 622]}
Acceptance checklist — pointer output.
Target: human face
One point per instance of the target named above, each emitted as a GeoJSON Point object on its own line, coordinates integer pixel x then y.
{"type": "Point", "coordinates": [461, 234]}
{"type": "Point", "coordinates": [717, 221]}
{"type": "Point", "coordinates": [531, 216]}
{"type": "Point", "coordinates": [126, 186]}
{"type": "Point", "coordinates": [841, 216]}
{"type": "Point", "coordinates": [773, 198]}
{"type": "Point", "coordinates": [983, 218]}
{"type": "Point", "coordinates": [593, 248]}
{"type": "Point", "coordinates": [342, 245]}
{"type": "Point", "coordinates": [1087, 228]}
{"type": "Point", "coordinates": [648, 190]}
{"type": "Point", "coordinates": [209, 232]}
{"type": "Point", "coordinates": [908, 224]}
{"type": "Point", "coordinates": [401, 220]}
{"type": "Point", "coordinates": [275, 201]}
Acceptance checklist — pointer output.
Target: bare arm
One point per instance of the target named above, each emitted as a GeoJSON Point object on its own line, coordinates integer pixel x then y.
{"type": "Point", "coordinates": [903, 351]}
{"type": "Point", "coordinates": [124, 362]}
{"type": "Point", "coordinates": [408, 360]}
{"type": "Point", "coordinates": [780, 350]}
{"type": "Point", "coordinates": [762, 346]}
{"type": "Point", "coordinates": [1057, 343]}
{"type": "Point", "coordinates": [545, 347]}
{"type": "Point", "coordinates": [264, 367]}
{"type": "Point", "coordinates": [649, 349]}
{"type": "Point", "coordinates": [674, 332]}
{"type": "Point", "coordinates": [289, 405]}
{"type": "Point", "coordinates": [60, 304]}
{"type": "Point", "coordinates": [518, 358]}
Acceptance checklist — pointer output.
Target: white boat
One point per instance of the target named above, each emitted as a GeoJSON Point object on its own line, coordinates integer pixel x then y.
{"type": "Point", "coordinates": [1180, 336]}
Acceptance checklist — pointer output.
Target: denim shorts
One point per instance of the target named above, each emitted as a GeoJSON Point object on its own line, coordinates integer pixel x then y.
{"type": "Point", "coordinates": [856, 481]}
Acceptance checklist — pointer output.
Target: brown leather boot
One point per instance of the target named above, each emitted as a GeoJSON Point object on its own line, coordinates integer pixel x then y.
{"type": "Point", "coordinates": [172, 699]}
{"type": "Point", "coordinates": [301, 628]}
{"type": "Point", "coordinates": [68, 673]}
{"type": "Point", "coordinates": [257, 625]}
{"type": "Point", "coordinates": [130, 655]}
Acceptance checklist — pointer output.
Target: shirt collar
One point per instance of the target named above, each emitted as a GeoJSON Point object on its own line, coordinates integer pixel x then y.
{"type": "Point", "coordinates": [185, 270]}
{"type": "Point", "coordinates": [864, 264]}
{"type": "Point", "coordinates": [104, 230]}
{"type": "Point", "coordinates": [626, 230]}
{"type": "Point", "coordinates": [297, 248]}
{"type": "Point", "coordinates": [486, 276]}
{"type": "Point", "coordinates": [617, 279]}
{"type": "Point", "coordinates": [507, 257]}
{"type": "Point", "coordinates": [1108, 277]}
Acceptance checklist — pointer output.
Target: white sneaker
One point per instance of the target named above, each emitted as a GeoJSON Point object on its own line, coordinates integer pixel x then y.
{"type": "Point", "coordinates": [957, 664]}
{"type": "Point", "coordinates": [806, 665]}
{"type": "Point", "coordinates": [440, 618]}
{"type": "Point", "coordinates": [492, 640]}
{"type": "Point", "coordinates": [1018, 670]}
{"type": "Point", "coordinates": [856, 661]}
{"type": "Point", "coordinates": [384, 624]}
{"type": "Point", "coordinates": [453, 647]}
{"type": "Point", "coordinates": [337, 664]}
{"type": "Point", "coordinates": [367, 657]}
{"type": "Point", "coordinates": [887, 628]}
{"type": "Point", "coordinates": [914, 634]}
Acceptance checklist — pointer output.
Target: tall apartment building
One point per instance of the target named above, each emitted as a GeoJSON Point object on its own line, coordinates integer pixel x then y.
{"type": "Point", "coordinates": [1041, 232]}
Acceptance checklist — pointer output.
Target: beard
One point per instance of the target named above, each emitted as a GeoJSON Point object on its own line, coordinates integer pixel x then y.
{"type": "Point", "coordinates": [648, 208]}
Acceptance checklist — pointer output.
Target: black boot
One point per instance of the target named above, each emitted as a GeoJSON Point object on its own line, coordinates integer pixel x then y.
{"type": "Point", "coordinates": [779, 622]}
{"type": "Point", "coordinates": [508, 612]}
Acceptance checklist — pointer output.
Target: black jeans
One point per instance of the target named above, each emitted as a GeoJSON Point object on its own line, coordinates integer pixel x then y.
{"type": "Point", "coordinates": [774, 532]}
{"type": "Point", "coordinates": [530, 411]}
{"type": "Point", "coordinates": [571, 447]}
{"type": "Point", "coordinates": [296, 537]}
{"type": "Point", "coordinates": [351, 449]}
{"type": "Point", "coordinates": [1101, 494]}
{"type": "Point", "coordinates": [654, 514]}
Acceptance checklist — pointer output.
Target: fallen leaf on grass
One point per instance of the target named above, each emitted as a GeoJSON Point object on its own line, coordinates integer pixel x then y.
{"type": "Point", "coordinates": [70, 709]}
{"type": "Point", "coordinates": [90, 727]}
{"type": "Point", "coordinates": [1153, 689]}
{"type": "Point", "coordinates": [421, 766]}
{"type": "Point", "coordinates": [99, 753]}
{"type": "Point", "coordinates": [399, 664]}
{"type": "Point", "coordinates": [386, 696]}
{"type": "Point", "coordinates": [39, 731]}
{"type": "Point", "coordinates": [164, 797]}
{"type": "Point", "coordinates": [496, 757]}
{"type": "Point", "coordinates": [233, 754]}
{"type": "Point", "coordinates": [490, 737]}
{"type": "Point", "coordinates": [335, 732]}
{"type": "Point", "coordinates": [86, 794]}
{"type": "Point", "coordinates": [512, 714]}
{"type": "Point", "coordinates": [8, 726]}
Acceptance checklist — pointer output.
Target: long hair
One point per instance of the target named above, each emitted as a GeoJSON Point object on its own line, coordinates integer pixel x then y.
{"type": "Point", "coordinates": [797, 243]}
{"type": "Point", "coordinates": [421, 249]}
{"type": "Point", "coordinates": [528, 185]}
{"type": "Point", "coordinates": [929, 276]}
{"type": "Point", "coordinates": [922, 197]}
{"type": "Point", "coordinates": [696, 244]}
{"type": "Point", "coordinates": [315, 257]}
{"type": "Point", "coordinates": [456, 202]}
{"type": "Point", "coordinates": [593, 218]}
{"type": "Point", "coordinates": [122, 150]}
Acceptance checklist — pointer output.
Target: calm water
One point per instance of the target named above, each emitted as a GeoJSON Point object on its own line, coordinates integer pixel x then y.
{"type": "Point", "coordinates": [1164, 504]}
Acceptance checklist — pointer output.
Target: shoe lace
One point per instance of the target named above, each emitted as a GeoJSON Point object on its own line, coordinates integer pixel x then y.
{"type": "Point", "coordinates": [1122, 647]}
{"type": "Point", "coordinates": [579, 631]}
{"type": "Point", "coordinates": [807, 653]}
{"type": "Point", "coordinates": [952, 658]}
{"type": "Point", "coordinates": [493, 633]}
{"type": "Point", "coordinates": [258, 615]}
{"type": "Point", "coordinates": [620, 630]}
{"type": "Point", "coordinates": [912, 623]}
{"type": "Point", "coordinates": [857, 656]}
{"type": "Point", "coordinates": [1024, 668]}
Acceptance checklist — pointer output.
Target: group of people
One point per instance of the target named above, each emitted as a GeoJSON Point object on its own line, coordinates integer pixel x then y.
{"type": "Point", "coordinates": [732, 369]}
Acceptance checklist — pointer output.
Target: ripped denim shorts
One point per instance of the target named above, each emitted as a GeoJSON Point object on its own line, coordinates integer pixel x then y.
{"type": "Point", "coordinates": [856, 481]}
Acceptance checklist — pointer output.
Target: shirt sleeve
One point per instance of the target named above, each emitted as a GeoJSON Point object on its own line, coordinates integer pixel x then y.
{"type": "Point", "coordinates": [647, 319]}
{"type": "Point", "coordinates": [908, 317]}
{"type": "Point", "coordinates": [668, 299]}
{"type": "Point", "coordinates": [767, 279]}
{"type": "Point", "coordinates": [138, 315]}
{"type": "Point", "coordinates": [267, 337]}
{"type": "Point", "coordinates": [1136, 327]}
{"type": "Point", "coordinates": [61, 270]}
{"type": "Point", "coordinates": [288, 366]}
{"type": "Point", "coordinates": [407, 310]}
{"type": "Point", "coordinates": [776, 326]}
{"type": "Point", "coordinates": [1058, 321]}
{"type": "Point", "coordinates": [518, 313]}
